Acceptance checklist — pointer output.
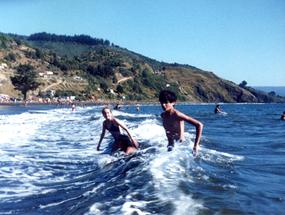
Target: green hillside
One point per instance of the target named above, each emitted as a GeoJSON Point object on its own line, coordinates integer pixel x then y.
{"type": "Point", "coordinates": [89, 67]}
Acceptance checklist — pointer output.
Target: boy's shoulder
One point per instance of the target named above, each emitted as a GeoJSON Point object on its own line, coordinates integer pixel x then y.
{"type": "Point", "coordinates": [179, 114]}
{"type": "Point", "coordinates": [175, 113]}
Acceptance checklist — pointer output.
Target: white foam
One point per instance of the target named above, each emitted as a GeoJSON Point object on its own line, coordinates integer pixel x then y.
{"type": "Point", "coordinates": [132, 207]}
{"type": "Point", "coordinates": [67, 138]}
{"type": "Point", "coordinates": [94, 209]}
{"type": "Point", "coordinates": [130, 115]}
{"type": "Point", "coordinates": [150, 130]}
{"type": "Point", "coordinates": [219, 157]}
{"type": "Point", "coordinates": [105, 159]}
{"type": "Point", "coordinates": [31, 139]}
{"type": "Point", "coordinates": [169, 169]}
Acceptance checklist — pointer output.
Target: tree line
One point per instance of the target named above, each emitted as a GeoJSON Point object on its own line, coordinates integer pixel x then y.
{"type": "Point", "coordinates": [81, 39]}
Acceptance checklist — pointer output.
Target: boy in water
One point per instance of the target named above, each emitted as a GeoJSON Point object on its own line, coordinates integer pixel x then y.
{"type": "Point", "coordinates": [173, 121]}
{"type": "Point", "coordinates": [123, 142]}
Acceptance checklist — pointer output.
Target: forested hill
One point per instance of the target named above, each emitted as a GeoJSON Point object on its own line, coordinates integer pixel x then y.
{"type": "Point", "coordinates": [89, 67]}
{"type": "Point", "coordinates": [80, 39]}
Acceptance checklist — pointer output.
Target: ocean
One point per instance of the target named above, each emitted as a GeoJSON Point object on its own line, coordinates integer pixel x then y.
{"type": "Point", "coordinates": [49, 163]}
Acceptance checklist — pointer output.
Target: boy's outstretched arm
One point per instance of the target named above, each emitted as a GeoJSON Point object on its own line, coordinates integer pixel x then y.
{"type": "Point", "coordinates": [199, 129]}
{"type": "Point", "coordinates": [101, 137]}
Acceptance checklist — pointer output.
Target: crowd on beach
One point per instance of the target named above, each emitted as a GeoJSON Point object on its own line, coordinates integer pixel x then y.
{"type": "Point", "coordinates": [5, 99]}
{"type": "Point", "coordinates": [64, 102]}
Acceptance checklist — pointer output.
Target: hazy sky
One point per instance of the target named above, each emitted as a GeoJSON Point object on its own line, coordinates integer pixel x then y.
{"type": "Point", "coordinates": [236, 39]}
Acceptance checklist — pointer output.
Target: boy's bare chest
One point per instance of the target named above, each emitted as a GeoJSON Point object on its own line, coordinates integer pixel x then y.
{"type": "Point", "coordinates": [171, 122]}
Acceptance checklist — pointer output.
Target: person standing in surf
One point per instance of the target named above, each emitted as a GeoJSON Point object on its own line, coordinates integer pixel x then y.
{"type": "Point", "coordinates": [173, 121]}
{"type": "Point", "coordinates": [125, 143]}
{"type": "Point", "coordinates": [218, 109]}
{"type": "Point", "coordinates": [283, 116]}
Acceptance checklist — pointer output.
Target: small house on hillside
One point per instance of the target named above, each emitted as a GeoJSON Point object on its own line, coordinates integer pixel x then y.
{"type": "Point", "coordinates": [46, 74]}
{"type": "Point", "coordinates": [77, 78]}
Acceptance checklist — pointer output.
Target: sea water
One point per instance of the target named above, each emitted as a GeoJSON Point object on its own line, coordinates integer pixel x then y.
{"type": "Point", "coordinates": [49, 163]}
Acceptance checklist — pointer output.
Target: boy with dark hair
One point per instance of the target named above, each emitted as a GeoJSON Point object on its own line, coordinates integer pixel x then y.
{"type": "Point", "coordinates": [173, 121]}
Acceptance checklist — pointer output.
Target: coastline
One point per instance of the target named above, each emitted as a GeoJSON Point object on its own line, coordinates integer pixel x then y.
{"type": "Point", "coordinates": [113, 103]}
{"type": "Point", "coordinates": [78, 103]}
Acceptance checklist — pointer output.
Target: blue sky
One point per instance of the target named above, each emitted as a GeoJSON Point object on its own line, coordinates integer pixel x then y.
{"type": "Point", "coordinates": [236, 39]}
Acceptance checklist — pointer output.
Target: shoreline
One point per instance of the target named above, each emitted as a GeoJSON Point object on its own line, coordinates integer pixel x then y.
{"type": "Point", "coordinates": [79, 103]}
{"type": "Point", "coordinates": [114, 102]}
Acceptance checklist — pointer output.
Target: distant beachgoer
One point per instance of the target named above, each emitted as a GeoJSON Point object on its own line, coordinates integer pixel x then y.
{"type": "Point", "coordinates": [73, 107]}
{"type": "Point", "coordinates": [122, 142]}
{"type": "Point", "coordinates": [173, 121]}
{"type": "Point", "coordinates": [283, 116]}
{"type": "Point", "coordinates": [218, 109]}
{"type": "Point", "coordinates": [138, 107]}
{"type": "Point", "coordinates": [117, 107]}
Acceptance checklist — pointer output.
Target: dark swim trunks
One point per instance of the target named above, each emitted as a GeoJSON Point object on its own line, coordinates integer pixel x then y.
{"type": "Point", "coordinates": [122, 142]}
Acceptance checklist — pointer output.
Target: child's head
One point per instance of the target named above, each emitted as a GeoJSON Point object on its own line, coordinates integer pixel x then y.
{"type": "Point", "coordinates": [167, 96]}
{"type": "Point", "coordinates": [107, 113]}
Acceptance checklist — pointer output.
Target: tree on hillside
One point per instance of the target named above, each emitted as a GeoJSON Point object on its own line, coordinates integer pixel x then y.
{"type": "Point", "coordinates": [120, 89]}
{"type": "Point", "coordinates": [243, 84]}
{"type": "Point", "coordinates": [25, 79]}
{"type": "Point", "coordinates": [272, 93]}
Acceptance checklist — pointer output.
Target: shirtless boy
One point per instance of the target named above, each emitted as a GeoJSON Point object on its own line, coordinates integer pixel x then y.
{"type": "Point", "coordinates": [173, 121]}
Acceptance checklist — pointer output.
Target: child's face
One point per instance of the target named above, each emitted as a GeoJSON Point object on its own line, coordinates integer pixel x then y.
{"type": "Point", "coordinates": [167, 106]}
{"type": "Point", "coordinates": [107, 114]}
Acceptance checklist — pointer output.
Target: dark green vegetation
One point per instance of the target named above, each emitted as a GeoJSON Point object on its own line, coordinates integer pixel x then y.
{"type": "Point", "coordinates": [88, 67]}
{"type": "Point", "coordinates": [25, 79]}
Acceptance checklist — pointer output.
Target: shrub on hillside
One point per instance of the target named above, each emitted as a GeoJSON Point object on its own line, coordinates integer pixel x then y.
{"type": "Point", "coordinates": [10, 57]}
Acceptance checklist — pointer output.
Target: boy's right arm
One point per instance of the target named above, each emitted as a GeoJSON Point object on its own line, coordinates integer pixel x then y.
{"type": "Point", "coordinates": [101, 137]}
{"type": "Point", "coordinates": [133, 141]}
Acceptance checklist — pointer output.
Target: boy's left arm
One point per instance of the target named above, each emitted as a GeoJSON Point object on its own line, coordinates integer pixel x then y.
{"type": "Point", "coordinates": [197, 124]}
